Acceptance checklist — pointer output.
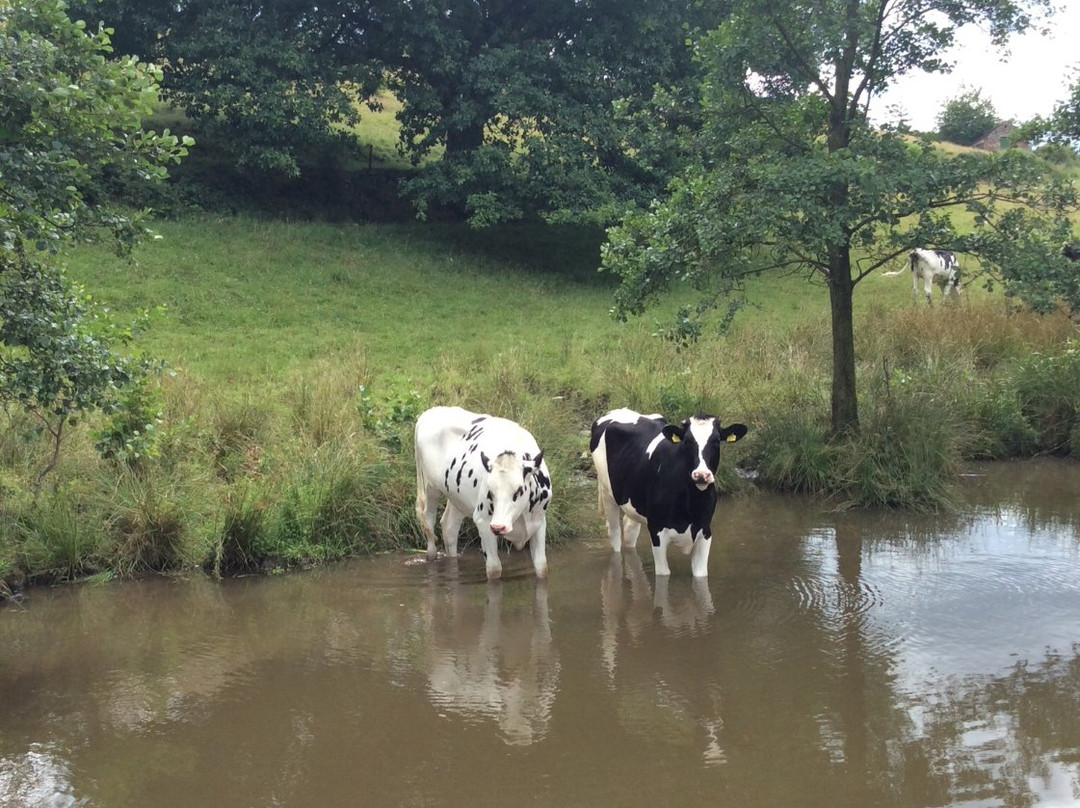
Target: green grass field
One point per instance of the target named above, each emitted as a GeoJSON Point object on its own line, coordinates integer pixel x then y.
{"type": "Point", "coordinates": [300, 354]}
{"type": "Point", "coordinates": [253, 301]}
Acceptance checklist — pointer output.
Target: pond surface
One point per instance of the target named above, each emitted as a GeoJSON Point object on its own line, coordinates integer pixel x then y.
{"type": "Point", "coordinates": [859, 659]}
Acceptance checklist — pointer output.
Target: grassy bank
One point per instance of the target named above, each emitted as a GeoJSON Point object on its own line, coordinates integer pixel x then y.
{"type": "Point", "coordinates": [300, 353]}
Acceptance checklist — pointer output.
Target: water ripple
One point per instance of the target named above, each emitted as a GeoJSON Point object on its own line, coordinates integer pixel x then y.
{"type": "Point", "coordinates": [39, 778]}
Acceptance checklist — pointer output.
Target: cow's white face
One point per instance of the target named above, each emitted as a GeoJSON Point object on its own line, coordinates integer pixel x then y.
{"type": "Point", "coordinates": [699, 438]}
{"type": "Point", "coordinates": [505, 499]}
{"type": "Point", "coordinates": [706, 441]}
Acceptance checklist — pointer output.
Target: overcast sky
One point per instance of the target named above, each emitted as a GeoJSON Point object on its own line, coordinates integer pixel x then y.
{"type": "Point", "coordinates": [1035, 76]}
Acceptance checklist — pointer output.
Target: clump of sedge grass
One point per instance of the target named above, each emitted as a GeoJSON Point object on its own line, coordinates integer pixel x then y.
{"type": "Point", "coordinates": [244, 510]}
{"type": "Point", "coordinates": [59, 539]}
{"type": "Point", "coordinates": [326, 509]}
{"type": "Point", "coordinates": [152, 527]}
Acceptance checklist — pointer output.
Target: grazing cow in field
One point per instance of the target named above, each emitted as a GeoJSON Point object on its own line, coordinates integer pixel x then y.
{"type": "Point", "coordinates": [932, 267]}
{"type": "Point", "coordinates": [661, 475]}
{"type": "Point", "coordinates": [1071, 251]}
{"type": "Point", "coordinates": [488, 468]}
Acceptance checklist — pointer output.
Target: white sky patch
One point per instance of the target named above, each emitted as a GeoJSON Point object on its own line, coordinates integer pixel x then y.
{"type": "Point", "coordinates": [1035, 76]}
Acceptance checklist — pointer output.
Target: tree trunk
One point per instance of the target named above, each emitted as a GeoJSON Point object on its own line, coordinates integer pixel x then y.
{"type": "Point", "coordinates": [845, 403]}
{"type": "Point", "coordinates": [470, 138]}
{"type": "Point", "coordinates": [57, 435]}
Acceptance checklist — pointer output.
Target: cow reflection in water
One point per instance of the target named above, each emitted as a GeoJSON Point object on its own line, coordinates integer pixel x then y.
{"type": "Point", "coordinates": [494, 660]}
{"type": "Point", "coordinates": [668, 695]}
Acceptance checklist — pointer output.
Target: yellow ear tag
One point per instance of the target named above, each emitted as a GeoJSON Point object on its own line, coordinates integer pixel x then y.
{"type": "Point", "coordinates": [675, 439]}
{"type": "Point", "coordinates": [731, 439]}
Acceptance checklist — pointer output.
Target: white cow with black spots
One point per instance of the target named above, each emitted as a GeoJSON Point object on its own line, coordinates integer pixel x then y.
{"type": "Point", "coordinates": [488, 468]}
{"type": "Point", "coordinates": [932, 267]}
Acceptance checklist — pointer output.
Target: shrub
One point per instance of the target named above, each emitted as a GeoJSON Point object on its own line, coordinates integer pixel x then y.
{"type": "Point", "coordinates": [129, 436]}
{"type": "Point", "coordinates": [1059, 154]}
{"type": "Point", "coordinates": [901, 458]}
{"type": "Point", "coordinates": [58, 351]}
{"type": "Point", "coordinates": [1000, 428]}
{"type": "Point", "coordinates": [390, 416]}
{"type": "Point", "coordinates": [1048, 386]}
{"type": "Point", "coordinates": [794, 453]}
{"type": "Point", "coordinates": [235, 439]}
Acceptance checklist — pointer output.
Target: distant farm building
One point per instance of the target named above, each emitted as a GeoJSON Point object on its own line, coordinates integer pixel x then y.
{"type": "Point", "coordinates": [1000, 138]}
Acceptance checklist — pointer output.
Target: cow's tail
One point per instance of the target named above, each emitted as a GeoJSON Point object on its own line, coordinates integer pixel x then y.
{"type": "Point", "coordinates": [911, 265]}
{"type": "Point", "coordinates": [421, 479]}
{"type": "Point", "coordinates": [595, 434]}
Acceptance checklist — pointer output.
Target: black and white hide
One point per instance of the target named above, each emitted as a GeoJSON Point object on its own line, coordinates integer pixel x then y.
{"type": "Point", "coordinates": [661, 475]}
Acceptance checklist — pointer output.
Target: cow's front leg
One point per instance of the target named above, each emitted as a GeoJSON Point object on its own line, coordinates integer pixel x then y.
{"type": "Point", "coordinates": [538, 550]}
{"type": "Point", "coordinates": [489, 543]}
{"type": "Point", "coordinates": [699, 556]}
{"type": "Point", "coordinates": [659, 550]}
{"type": "Point", "coordinates": [451, 525]}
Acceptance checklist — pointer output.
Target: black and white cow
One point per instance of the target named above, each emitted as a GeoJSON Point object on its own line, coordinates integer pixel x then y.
{"type": "Point", "coordinates": [661, 475]}
{"type": "Point", "coordinates": [932, 267]}
{"type": "Point", "coordinates": [488, 468]}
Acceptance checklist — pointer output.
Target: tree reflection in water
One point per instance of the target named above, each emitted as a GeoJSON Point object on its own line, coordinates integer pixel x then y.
{"type": "Point", "coordinates": [1010, 740]}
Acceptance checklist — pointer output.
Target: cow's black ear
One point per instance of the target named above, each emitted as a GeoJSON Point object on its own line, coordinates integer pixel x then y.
{"type": "Point", "coordinates": [486, 461]}
{"type": "Point", "coordinates": [674, 433]}
{"type": "Point", "coordinates": [537, 461]}
{"type": "Point", "coordinates": [733, 432]}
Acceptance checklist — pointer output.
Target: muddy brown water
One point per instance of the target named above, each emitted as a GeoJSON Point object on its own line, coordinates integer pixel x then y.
{"type": "Point", "coordinates": [858, 659]}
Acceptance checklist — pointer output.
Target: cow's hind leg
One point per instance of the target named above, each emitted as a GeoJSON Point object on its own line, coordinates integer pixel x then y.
{"type": "Point", "coordinates": [427, 505]}
{"type": "Point", "coordinates": [451, 524]}
{"type": "Point", "coordinates": [613, 514]}
{"type": "Point", "coordinates": [631, 527]}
